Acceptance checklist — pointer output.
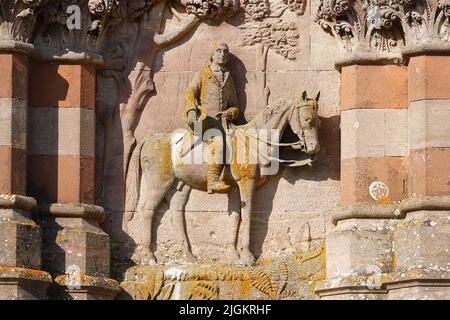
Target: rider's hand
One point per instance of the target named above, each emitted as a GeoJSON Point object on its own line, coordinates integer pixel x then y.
{"type": "Point", "coordinates": [228, 114]}
{"type": "Point", "coordinates": [192, 118]}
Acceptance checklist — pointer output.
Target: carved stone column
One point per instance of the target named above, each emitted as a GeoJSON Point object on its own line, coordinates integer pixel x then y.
{"type": "Point", "coordinates": [62, 147]}
{"type": "Point", "coordinates": [422, 240]}
{"type": "Point", "coordinates": [377, 224]}
{"type": "Point", "coordinates": [20, 244]}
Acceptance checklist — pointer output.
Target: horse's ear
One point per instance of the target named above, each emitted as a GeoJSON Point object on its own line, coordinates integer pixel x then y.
{"type": "Point", "coordinates": [304, 95]}
{"type": "Point", "coordinates": [318, 96]}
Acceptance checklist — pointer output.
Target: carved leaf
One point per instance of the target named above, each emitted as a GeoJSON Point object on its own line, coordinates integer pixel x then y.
{"type": "Point", "coordinates": [205, 290]}
{"type": "Point", "coordinates": [263, 282]}
{"type": "Point", "coordinates": [166, 292]}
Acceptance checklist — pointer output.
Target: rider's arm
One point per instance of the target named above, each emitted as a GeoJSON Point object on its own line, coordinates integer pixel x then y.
{"type": "Point", "coordinates": [192, 95]}
{"type": "Point", "coordinates": [233, 104]}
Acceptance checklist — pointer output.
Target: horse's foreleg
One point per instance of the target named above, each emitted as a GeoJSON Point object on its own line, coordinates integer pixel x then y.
{"type": "Point", "coordinates": [234, 208]}
{"type": "Point", "coordinates": [247, 188]}
{"type": "Point", "coordinates": [147, 255]}
{"type": "Point", "coordinates": [178, 203]}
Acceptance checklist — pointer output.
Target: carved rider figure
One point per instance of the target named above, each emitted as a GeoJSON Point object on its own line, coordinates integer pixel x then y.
{"type": "Point", "coordinates": [211, 101]}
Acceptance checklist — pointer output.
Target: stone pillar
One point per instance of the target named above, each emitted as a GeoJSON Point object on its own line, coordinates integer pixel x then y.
{"type": "Point", "coordinates": [13, 126]}
{"type": "Point", "coordinates": [20, 237]}
{"type": "Point", "coordinates": [374, 133]}
{"type": "Point", "coordinates": [391, 236]}
{"type": "Point", "coordinates": [429, 123]}
{"type": "Point", "coordinates": [374, 139]}
{"type": "Point", "coordinates": [61, 157]}
{"type": "Point", "coordinates": [422, 239]}
{"type": "Point", "coordinates": [62, 174]}
{"type": "Point", "coordinates": [62, 132]}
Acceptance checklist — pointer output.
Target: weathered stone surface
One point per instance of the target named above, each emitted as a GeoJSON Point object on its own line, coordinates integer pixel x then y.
{"type": "Point", "coordinates": [427, 78]}
{"type": "Point", "coordinates": [360, 247]}
{"type": "Point", "coordinates": [104, 99]}
{"type": "Point", "coordinates": [23, 284]}
{"type": "Point", "coordinates": [421, 241]}
{"type": "Point", "coordinates": [374, 133]}
{"type": "Point", "coordinates": [374, 87]}
{"type": "Point", "coordinates": [426, 167]}
{"type": "Point", "coordinates": [373, 180]}
{"type": "Point", "coordinates": [428, 127]}
{"type": "Point", "coordinates": [75, 242]}
{"type": "Point", "coordinates": [83, 287]}
{"type": "Point", "coordinates": [20, 244]}
{"type": "Point", "coordinates": [77, 252]}
{"type": "Point", "coordinates": [293, 277]}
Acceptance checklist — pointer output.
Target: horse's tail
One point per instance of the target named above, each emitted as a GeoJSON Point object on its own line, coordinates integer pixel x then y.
{"type": "Point", "coordinates": [133, 182]}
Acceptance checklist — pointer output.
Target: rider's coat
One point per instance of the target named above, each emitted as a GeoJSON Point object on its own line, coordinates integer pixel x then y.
{"type": "Point", "coordinates": [210, 96]}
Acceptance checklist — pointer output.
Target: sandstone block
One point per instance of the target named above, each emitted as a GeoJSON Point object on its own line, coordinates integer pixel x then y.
{"type": "Point", "coordinates": [374, 87]}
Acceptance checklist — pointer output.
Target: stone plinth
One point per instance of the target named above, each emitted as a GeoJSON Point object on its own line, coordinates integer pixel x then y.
{"type": "Point", "coordinates": [20, 251]}
{"type": "Point", "coordinates": [23, 284]}
{"type": "Point", "coordinates": [77, 252]}
{"type": "Point", "coordinates": [404, 254]}
{"type": "Point", "coordinates": [291, 277]}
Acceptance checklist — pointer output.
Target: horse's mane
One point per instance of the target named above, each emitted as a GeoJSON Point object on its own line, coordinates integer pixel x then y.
{"type": "Point", "coordinates": [276, 108]}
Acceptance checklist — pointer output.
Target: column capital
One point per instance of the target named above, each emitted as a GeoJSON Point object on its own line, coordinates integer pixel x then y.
{"type": "Point", "coordinates": [17, 24]}
{"type": "Point", "coordinates": [381, 31]}
{"type": "Point", "coordinates": [57, 40]}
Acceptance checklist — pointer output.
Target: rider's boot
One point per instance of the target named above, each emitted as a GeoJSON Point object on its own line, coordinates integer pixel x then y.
{"type": "Point", "coordinates": [215, 166]}
{"type": "Point", "coordinates": [214, 182]}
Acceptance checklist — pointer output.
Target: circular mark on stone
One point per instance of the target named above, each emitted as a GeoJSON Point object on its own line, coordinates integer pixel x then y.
{"type": "Point", "coordinates": [356, 124]}
{"type": "Point", "coordinates": [378, 190]}
{"type": "Point", "coordinates": [243, 204]}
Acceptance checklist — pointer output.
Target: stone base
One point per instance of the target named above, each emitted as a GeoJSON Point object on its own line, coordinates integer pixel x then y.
{"type": "Point", "coordinates": [83, 287]}
{"type": "Point", "coordinates": [413, 284]}
{"type": "Point", "coordinates": [23, 284]}
{"type": "Point", "coordinates": [291, 277]}
{"type": "Point", "coordinates": [390, 252]}
{"type": "Point", "coordinates": [20, 243]}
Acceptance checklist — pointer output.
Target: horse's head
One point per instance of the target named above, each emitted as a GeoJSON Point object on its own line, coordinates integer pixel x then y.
{"type": "Point", "coordinates": [305, 123]}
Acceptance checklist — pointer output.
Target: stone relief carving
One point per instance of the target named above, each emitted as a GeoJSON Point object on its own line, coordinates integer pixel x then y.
{"type": "Point", "coordinates": [98, 17]}
{"type": "Point", "coordinates": [150, 39]}
{"type": "Point", "coordinates": [208, 282]}
{"type": "Point", "coordinates": [18, 19]}
{"type": "Point", "coordinates": [265, 24]}
{"type": "Point", "coordinates": [163, 162]}
{"type": "Point", "coordinates": [384, 26]}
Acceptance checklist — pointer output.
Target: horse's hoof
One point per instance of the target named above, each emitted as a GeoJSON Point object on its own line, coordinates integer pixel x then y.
{"type": "Point", "coordinates": [247, 258]}
{"type": "Point", "coordinates": [232, 255]}
{"type": "Point", "coordinates": [188, 257]}
{"type": "Point", "coordinates": [148, 259]}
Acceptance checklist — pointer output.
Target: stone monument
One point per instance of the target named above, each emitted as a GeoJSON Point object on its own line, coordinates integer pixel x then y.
{"type": "Point", "coordinates": [224, 149]}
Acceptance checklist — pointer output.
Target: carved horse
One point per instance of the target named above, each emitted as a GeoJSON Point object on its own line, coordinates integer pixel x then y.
{"type": "Point", "coordinates": [158, 169]}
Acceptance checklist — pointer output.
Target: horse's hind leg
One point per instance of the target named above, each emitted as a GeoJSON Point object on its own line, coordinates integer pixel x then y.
{"type": "Point", "coordinates": [234, 200]}
{"type": "Point", "coordinates": [247, 188]}
{"type": "Point", "coordinates": [154, 196]}
{"type": "Point", "coordinates": [178, 199]}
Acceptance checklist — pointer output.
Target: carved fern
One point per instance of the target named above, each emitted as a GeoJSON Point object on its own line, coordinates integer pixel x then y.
{"type": "Point", "coordinates": [263, 282]}
{"type": "Point", "coordinates": [205, 290]}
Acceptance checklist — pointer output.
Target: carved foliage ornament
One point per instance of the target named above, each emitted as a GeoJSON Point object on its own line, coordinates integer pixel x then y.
{"type": "Point", "coordinates": [97, 17]}
{"type": "Point", "coordinates": [267, 24]}
{"type": "Point", "coordinates": [17, 19]}
{"type": "Point", "coordinates": [210, 9]}
{"type": "Point", "coordinates": [385, 25]}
